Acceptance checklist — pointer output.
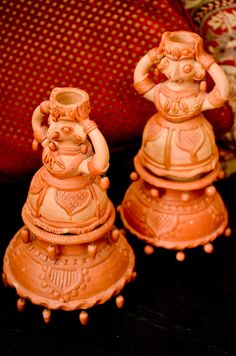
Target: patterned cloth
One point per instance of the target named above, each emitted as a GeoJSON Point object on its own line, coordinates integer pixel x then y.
{"type": "Point", "coordinates": [216, 22]}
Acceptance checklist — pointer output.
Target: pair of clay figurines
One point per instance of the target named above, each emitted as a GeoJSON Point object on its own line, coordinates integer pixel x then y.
{"type": "Point", "coordinates": [69, 255]}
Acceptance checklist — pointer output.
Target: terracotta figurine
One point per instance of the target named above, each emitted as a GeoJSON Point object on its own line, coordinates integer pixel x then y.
{"type": "Point", "coordinates": [68, 255]}
{"type": "Point", "coordinates": [172, 202]}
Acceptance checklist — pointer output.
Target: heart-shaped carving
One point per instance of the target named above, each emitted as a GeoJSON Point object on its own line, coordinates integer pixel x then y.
{"type": "Point", "coordinates": [63, 280]}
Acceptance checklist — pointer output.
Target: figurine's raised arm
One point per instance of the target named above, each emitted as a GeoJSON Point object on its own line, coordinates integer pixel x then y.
{"type": "Point", "coordinates": [143, 84]}
{"type": "Point", "coordinates": [99, 162]}
{"type": "Point", "coordinates": [220, 92]}
{"type": "Point", "coordinates": [40, 131]}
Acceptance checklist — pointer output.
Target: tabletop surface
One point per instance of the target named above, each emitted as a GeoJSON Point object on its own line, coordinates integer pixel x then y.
{"type": "Point", "coordinates": [172, 308]}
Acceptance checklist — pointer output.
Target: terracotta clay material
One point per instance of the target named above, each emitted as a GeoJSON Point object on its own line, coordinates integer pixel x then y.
{"type": "Point", "coordinates": [171, 202]}
{"type": "Point", "coordinates": [172, 219]}
{"type": "Point", "coordinates": [68, 255]}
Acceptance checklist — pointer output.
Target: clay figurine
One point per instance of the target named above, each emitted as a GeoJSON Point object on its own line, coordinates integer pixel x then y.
{"type": "Point", "coordinates": [172, 202]}
{"type": "Point", "coordinates": [68, 255]}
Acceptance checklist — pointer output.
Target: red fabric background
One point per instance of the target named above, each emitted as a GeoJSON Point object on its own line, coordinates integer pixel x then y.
{"type": "Point", "coordinates": [93, 45]}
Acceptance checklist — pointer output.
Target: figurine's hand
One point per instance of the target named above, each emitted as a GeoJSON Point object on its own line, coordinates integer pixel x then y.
{"type": "Point", "coordinates": [88, 125]}
{"type": "Point", "coordinates": [82, 112]}
{"type": "Point", "coordinates": [155, 55]}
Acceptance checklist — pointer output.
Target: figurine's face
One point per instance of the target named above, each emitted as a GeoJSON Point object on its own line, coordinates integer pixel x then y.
{"type": "Point", "coordinates": [178, 71]}
{"type": "Point", "coordinates": [67, 132]}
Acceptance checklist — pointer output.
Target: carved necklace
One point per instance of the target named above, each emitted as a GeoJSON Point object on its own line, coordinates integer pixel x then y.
{"type": "Point", "coordinates": [175, 100]}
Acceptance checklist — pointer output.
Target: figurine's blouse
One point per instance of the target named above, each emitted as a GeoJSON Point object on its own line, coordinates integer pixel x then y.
{"type": "Point", "coordinates": [178, 141]}
{"type": "Point", "coordinates": [178, 106]}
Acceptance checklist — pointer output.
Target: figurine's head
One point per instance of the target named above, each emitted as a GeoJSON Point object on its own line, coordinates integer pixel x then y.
{"type": "Point", "coordinates": [178, 56]}
{"type": "Point", "coordinates": [68, 106]}
{"type": "Point", "coordinates": [67, 132]}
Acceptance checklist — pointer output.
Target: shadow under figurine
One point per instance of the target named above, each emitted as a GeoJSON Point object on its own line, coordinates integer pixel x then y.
{"type": "Point", "coordinates": [172, 202]}
{"type": "Point", "coordinates": [68, 255]}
